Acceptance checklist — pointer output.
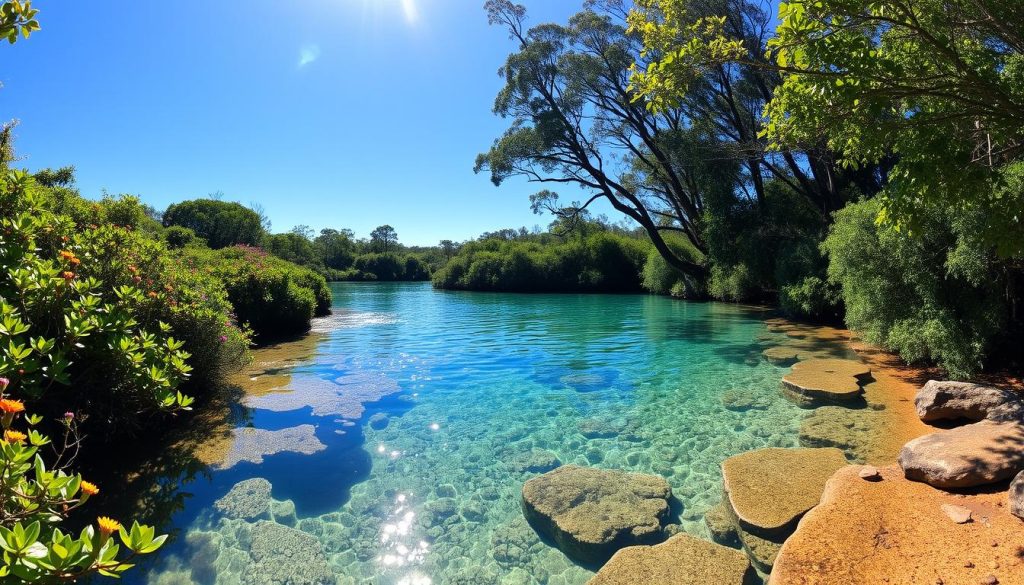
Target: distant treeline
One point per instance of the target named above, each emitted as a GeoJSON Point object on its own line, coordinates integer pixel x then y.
{"type": "Point", "coordinates": [334, 253]}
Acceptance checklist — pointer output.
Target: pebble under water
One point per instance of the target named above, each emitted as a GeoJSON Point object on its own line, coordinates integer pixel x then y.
{"type": "Point", "coordinates": [432, 408]}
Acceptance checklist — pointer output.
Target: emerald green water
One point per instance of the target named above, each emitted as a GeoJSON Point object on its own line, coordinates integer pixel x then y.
{"type": "Point", "coordinates": [472, 394]}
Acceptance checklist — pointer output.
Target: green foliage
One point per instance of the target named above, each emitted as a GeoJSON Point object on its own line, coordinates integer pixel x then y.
{"type": "Point", "coordinates": [383, 239]}
{"type": "Point", "coordinates": [179, 237]}
{"type": "Point", "coordinates": [937, 295]}
{"type": "Point", "coordinates": [220, 223]}
{"type": "Point", "coordinates": [34, 500]}
{"type": "Point", "coordinates": [273, 297]}
{"type": "Point", "coordinates": [336, 249]}
{"type": "Point", "coordinates": [936, 86]}
{"type": "Point", "coordinates": [17, 17]}
{"type": "Point", "coordinates": [599, 262]}
{"type": "Point", "coordinates": [294, 247]}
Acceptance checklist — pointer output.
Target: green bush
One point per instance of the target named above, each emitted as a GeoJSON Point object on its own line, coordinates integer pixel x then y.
{"type": "Point", "coordinates": [935, 295]}
{"type": "Point", "coordinates": [100, 314]}
{"type": "Point", "coordinates": [600, 261]}
{"type": "Point", "coordinates": [178, 237]}
{"type": "Point", "coordinates": [219, 223]}
{"type": "Point", "coordinates": [274, 297]}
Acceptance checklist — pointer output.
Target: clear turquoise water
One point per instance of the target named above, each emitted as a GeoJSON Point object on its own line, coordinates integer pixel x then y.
{"type": "Point", "coordinates": [483, 390]}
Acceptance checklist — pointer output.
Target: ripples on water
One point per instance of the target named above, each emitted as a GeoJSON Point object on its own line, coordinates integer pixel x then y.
{"type": "Point", "coordinates": [485, 390]}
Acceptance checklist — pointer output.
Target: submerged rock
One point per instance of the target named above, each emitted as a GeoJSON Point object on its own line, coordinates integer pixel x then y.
{"type": "Point", "coordinates": [855, 431]}
{"type": "Point", "coordinates": [769, 490]}
{"type": "Point", "coordinates": [681, 560]}
{"type": "Point", "coordinates": [534, 461]}
{"type": "Point", "coordinates": [782, 355]}
{"type": "Point", "coordinates": [590, 513]}
{"type": "Point", "coordinates": [252, 444]}
{"type": "Point", "coordinates": [739, 401]}
{"type": "Point", "coordinates": [721, 525]}
{"type": "Point", "coordinates": [1016, 496]}
{"type": "Point", "coordinates": [246, 500]}
{"type": "Point", "coordinates": [894, 531]}
{"type": "Point", "coordinates": [942, 400]}
{"type": "Point", "coordinates": [972, 455]}
{"type": "Point", "coordinates": [283, 555]}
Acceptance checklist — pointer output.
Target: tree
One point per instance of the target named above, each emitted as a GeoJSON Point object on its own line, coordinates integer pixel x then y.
{"type": "Point", "coordinates": [383, 237]}
{"type": "Point", "coordinates": [336, 248]}
{"type": "Point", "coordinates": [220, 223]}
{"type": "Point", "coordinates": [17, 18]}
{"type": "Point", "coordinates": [449, 248]}
{"type": "Point", "coordinates": [937, 85]}
{"type": "Point", "coordinates": [574, 120]}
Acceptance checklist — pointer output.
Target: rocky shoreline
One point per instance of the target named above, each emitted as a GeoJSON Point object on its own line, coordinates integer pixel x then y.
{"type": "Point", "coordinates": [936, 510]}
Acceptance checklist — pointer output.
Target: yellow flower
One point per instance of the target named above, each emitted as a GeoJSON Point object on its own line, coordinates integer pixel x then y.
{"type": "Point", "coordinates": [12, 436]}
{"type": "Point", "coordinates": [89, 488]}
{"type": "Point", "coordinates": [107, 526]}
{"type": "Point", "coordinates": [11, 406]}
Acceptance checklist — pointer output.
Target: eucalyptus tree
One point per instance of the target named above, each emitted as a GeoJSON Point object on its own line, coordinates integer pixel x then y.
{"type": "Point", "coordinates": [574, 120]}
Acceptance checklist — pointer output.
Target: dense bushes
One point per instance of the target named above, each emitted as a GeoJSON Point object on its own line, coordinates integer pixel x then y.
{"type": "Point", "coordinates": [101, 315]}
{"type": "Point", "coordinates": [273, 297]}
{"type": "Point", "coordinates": [602, 261]}
{"type": "Point", "coordinates": [220, 223]}
{"type": "Point", "coordinates": [936, 294]}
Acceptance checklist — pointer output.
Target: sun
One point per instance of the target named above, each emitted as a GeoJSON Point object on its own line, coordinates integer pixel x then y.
{"type": "Point", "coordinates": [409, 8]}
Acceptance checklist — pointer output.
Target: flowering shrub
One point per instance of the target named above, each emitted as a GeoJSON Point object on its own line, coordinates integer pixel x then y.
{"type": "Point", "coordinates": [34, 500]}
{"type": "Point", "coordinates": [103, 306]}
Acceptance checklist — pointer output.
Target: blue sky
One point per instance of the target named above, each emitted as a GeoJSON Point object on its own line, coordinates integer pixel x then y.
{"type": "Point", "coordinates": [330, 113]}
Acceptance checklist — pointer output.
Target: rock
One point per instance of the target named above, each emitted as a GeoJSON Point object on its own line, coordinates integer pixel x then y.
{"type": "Point", "coordinates": [534, 461]}
{"type": "Point", "coordinates": [957, 514]}
{"type": "Point", "coordinates": [869, 473]}
{"type": "Point", "coordinates": [762, 552]}
{"type": "Point", "coordinates": [284, 512]}
{"type": "Point", "coordinates": [252, 444]}
{"type": "Point", "coordinates": [770, 489]}
{"type": "Point", "coordinates": [247, 500]}
{"type": "Point", "coordinates": [378, 421]}
{"type": "Point", "coordinates": [1016, 496]}
{"type": "Point", "coordinates": [972, 455]}
{"type": "Point", "coordinates": [894, 531]}
{"type": "Point", "coordinates": [835, 366]}
{"type": "Point", "coordinates": [590, 513]}
{"type": "Point", "coordinates": [941, 400]}
{"type": "Point", "coordinates": [781, 355]}
{"type": "Point", "coordinates": [739, 401]}
{"type": "Point", "coordinates": [721, 525]}
{"type": "Point", "coordinates": [681, 560]}
{"type": "Point", "coordinates": [285, 555]}
{"type": "Point", "coordinates": [855, 431]}
{"type": "Point", "coordinates": [599, 428]}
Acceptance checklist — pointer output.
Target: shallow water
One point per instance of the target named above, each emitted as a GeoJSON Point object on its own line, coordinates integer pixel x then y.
{"type": "Point", "coordinates": [473, 394]}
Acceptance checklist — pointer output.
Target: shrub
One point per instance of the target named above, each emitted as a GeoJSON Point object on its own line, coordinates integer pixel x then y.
{"type": "Point", "coordinates": [274, 297]}
{"type": "Point", "coordinates": [600, 261]}
{"type": "Point", "coordinates": [35, 549]}
{"type": "Point", "coordinates": [384, 266]}
{"type": "Point", "coordinates": [178, 237]}
{"type": "Point", "coordinates": [220, 223]}
{"type": "Point", "coordinates": [936, 295]}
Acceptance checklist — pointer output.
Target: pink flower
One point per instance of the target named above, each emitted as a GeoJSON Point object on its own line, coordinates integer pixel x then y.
{"type": "Point", "coordinates": [223, 338]}
{"type": "Point", "coordinates": [4, 382]}
{"type": "Point", "coordinates": [68, 416]}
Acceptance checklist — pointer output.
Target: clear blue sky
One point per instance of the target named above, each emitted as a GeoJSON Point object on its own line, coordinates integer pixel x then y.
{"type": "Point", "coordinates": [331, 113]}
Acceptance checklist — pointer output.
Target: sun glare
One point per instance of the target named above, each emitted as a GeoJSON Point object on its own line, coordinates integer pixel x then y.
{"type": "Point", "coordinates": [409, 8]}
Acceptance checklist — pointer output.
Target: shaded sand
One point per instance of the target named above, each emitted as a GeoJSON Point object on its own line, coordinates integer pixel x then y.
{"type": "Point", "coordinates": [894, 531]}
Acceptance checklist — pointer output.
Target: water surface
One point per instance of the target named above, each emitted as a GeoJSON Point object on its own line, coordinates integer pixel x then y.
{"type": "Point", "coordinates": [477, 393]}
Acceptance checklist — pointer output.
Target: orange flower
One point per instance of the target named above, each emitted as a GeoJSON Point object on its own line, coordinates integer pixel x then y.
{"type": "Point", "coordinates": [12, 436]}
{"type": "Point", "coordinates": [89, 488]}
{"type": "Point", "coordinates": [75, 261]}
{"type": "Point", "coordinates": [11, 406]}
{"type": "Point", "coordinates": [107, 526]}
{"type": "Point", "coordinates": [68, 275]}
{"type": "Point", "coordinates": [67, 255]}
{"type": "Point", "coordinates": [152, 294]}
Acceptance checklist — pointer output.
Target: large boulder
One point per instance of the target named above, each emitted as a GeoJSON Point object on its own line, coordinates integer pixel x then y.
{"type": "Point", "coordinates": [769, 490]}
{"type": "Point", "coordinates": [591, 513]}
{"type": "Point", "coordinates": [681, 560]}
{"type": "Point", "coordinates": [247, 500]}
{"type": "Point", "coordinates": [895, 531]}
{"type": "Point", "coordinates": [1017, 496]}
{"type": "Point", "coordinates": [942, 400]}
{"type": "Point", "coordinates": [972, 455]}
